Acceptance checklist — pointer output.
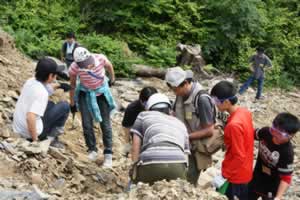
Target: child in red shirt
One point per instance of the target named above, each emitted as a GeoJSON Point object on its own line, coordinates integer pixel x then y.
{"type": "Point", "coordinates": [238, 139]}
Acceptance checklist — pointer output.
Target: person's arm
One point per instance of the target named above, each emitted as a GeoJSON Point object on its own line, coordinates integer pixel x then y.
{"type": "Point", "coordinates": [72, 91]}
{"type": "Point", "coordinates": [205, 131]}
{"type": "Point", "coordinates": [109, 67]}
{"type": "Point", "coordinates": [136, 148]}
{"type": "Point", "coordinates": [62, 52]}
{"type": "Point", "coordinates": [283, 186]}
{"type": "Point", "coordinates": [127, 134]}
{"type": "Point", "coordinates": [31, 124]}
{"type": "Point", "coordinates": [206, 115]}
{"type": "Point", "coordinates": [237, 148]}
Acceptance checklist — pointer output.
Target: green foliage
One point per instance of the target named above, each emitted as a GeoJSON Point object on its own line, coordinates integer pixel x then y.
{"type": "Point", "coordinates": [227, 30]}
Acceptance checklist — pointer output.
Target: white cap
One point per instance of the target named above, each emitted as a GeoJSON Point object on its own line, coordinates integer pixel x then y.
{"type": "Point", "coordinates": [158, 100]}
{"type": "Point", "coordinates": [83, 57]}
{"type": "Point", "coordinates": [176, 75]}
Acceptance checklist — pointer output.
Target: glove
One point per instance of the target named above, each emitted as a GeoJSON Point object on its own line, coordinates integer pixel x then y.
{"type": "Point", "coordinates": [66, 87]}
{"type": "Point", "coordinates": [73, 109]}
{"type": "Point", "coordinates": [218, 181]}
{"type": "Point", "coordinates": [111, 83]}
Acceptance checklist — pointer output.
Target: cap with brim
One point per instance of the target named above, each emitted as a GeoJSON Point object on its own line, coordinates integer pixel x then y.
{"type": "Point", "coordinates": [48, 65]}
{"type": "Point", "coordinates": [175, 76]}
{"type": "Point", "coordinates": [89, 61]}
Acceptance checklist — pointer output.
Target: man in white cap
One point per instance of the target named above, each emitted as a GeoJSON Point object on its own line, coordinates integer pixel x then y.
{"type": "Point", "coordinates": [199, 117]}
{"type": "Point", "coordinates": [160, 143]}
{"type": "Point", "coordinates": [94, 99]}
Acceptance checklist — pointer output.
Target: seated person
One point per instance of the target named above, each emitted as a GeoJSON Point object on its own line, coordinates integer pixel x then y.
{"type": "Point", "coordinates": [160, 143]}
{"type": "Point", "coordinates": [36, 117]}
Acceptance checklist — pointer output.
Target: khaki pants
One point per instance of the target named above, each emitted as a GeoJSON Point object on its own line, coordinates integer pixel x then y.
{"type": "Point", "coordinates": [156, 172]}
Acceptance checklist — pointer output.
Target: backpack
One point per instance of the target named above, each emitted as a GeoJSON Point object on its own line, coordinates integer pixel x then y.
{"type": "Point", "coordinates": [212, 144]}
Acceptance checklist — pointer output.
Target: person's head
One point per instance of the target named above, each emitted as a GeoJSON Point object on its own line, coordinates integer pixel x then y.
{"type": "Point", "coordinates": [159, 102]}
{"type": "Point", "coordinates": [145, 93]}
{"type": "Point", "coordinates": [70, 37]}
{"type": "Point", "coordinates": [83, 58]}
{"type": "Point", "coordinates": [179, 80]}
{"type": "Point", "coordinates": [284, 127]}
{"type": "Point", "coordinates": [47, 69]}
{"type": "Point", "coordinates": [260, 51]}
{"type": "Point", "coordinates": [224, 95]}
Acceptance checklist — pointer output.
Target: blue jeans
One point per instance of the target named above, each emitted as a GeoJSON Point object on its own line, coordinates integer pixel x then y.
{"type": "Point", "coordinates": [87, 124]}
{"type": "Point", "coordinates": [260, 83]}
{"type": "Point", "coordinates": [55, 116]}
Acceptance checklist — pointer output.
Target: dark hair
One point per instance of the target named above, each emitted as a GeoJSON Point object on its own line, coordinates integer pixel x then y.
{"type": "Point", "coordinates": [42, 76]}
{"type": "Point", "coordinates": [44, 68]}
{"type": "Point", "coordinates": [70, 35]}
{"type": "Point", "coordinates": [287, 122]}
{"type": "Point", "coordinates": [260, 49]}
{"type": "Point", "coordinates": [146, 92]}
{"type": "Point", "coordinates": [165, 110]}
{"type": "Point", "coordinates": [224, 90]}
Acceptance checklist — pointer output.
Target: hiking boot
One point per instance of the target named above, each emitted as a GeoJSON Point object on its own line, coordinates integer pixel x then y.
{"type": "Point", "coordinates": [57, 144]}
{"type": "Point", "coordinates": [93, 155]}
{"type": "Point", "coordinates": [107, 163]}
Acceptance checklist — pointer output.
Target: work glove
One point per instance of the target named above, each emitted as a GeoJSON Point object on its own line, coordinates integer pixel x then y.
{"type": "Point", "coordinates": [66, 87]}
{"type": "Point", "coordinates": [111, 83]}
{"type": "Point", "coordinates": [218, 181]}
{"type": "Point", "coordinates": [73, 109]}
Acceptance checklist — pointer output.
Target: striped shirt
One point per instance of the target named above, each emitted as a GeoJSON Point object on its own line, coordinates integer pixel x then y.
{"type": "Point", "coordinates": [157, 129]}
{"type": "Point", "coordinates": [86, 79]}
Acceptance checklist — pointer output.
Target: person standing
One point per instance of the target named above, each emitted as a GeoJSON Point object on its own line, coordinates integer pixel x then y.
{"type": "Point", "coordinates": [259, 62]}
{"type": "Point", "coordinates": [274, 166]}
{"type": "Point", "coordinates": [68, 48]}
{"type": "Point", "coordinates": [35, 117]}
{"type": "Point", "coordinates": [199, 120]}
{"type": "Point", "coordinates": [160, 143]}
{"type": "Point", "coordinates": [93, 97]}
{"type": "Point", "coordinates": [238, 139]}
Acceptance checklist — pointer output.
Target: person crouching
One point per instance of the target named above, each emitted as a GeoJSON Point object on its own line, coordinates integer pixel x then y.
{"type": "Point", "coordinates": [160, 143]}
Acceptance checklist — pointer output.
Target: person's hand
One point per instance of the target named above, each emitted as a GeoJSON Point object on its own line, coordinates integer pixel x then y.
{"type": "Point", "coordinates": [73, 108]}
{"type": "Point", "coordinates": [111, 82]}
{"type": "Point", "coordinates": [66, 87]}
{"type": "Point", "coordinates": [218, 181]}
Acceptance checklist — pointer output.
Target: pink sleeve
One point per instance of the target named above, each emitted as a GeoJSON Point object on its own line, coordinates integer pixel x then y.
{"type": "Point", "coordinates": [73, 70]}
{"type": "Point", "coordinates": [101, 58]}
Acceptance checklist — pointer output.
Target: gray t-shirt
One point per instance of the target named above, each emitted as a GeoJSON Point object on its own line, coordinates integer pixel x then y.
{"type": "Point", "coordinates": [157, 129]}
{"type": "Point", "coordinates": [259, 63]}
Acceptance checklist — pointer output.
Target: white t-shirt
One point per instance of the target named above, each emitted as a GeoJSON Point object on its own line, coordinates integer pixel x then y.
{"type": "Point", "coordinates": [33, 98]}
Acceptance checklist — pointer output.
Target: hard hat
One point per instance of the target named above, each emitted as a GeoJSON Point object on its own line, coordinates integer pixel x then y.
{"type": "Point", "coordinates": [83, 57]}
{"type": "Point", "coordinates": [158, 100]}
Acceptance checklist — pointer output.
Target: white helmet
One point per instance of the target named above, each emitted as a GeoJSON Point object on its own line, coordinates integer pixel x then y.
{"type": "Point", "coordinates": [158, 100]}
{"type": "Point", "coordinates": [81, 54]}
{"type": "Point", "coordinates": [83, 57]}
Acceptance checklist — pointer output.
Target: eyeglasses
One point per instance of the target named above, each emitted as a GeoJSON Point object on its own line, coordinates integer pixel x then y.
{"type": "Point", "coordinates": [278, 133]}
{"type": "Point", "coordinates": [218, 101]}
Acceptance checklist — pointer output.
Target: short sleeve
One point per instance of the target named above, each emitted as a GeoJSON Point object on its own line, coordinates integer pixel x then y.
{"type": "Point", "coordinates": [73, 70]}
{"type": "Point", "coordinates": [205, 111]}
{"type": "Point", "coordinates": [39, 106]}
{"type": "Point", "coordinates": [137, 127]}
{"type": "Point", "coordinates": [131, 114]}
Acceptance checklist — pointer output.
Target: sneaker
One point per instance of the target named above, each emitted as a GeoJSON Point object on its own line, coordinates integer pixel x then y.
{"type": "Point", "coordinates": [57, 144]}
{"type": "Point", "coordinates": [93, 155]}
{"type": "Point", "coordinates": [107, 161]}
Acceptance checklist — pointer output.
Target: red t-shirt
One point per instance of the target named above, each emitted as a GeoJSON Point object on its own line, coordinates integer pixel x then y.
{"type": "Point", "coordinates": [239, 139]}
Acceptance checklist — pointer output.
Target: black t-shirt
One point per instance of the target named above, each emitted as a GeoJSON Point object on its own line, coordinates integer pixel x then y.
{"type": "Point", "coordinates": [131, 113]}
{"type": "Point", "coordinates": [273, 160]}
